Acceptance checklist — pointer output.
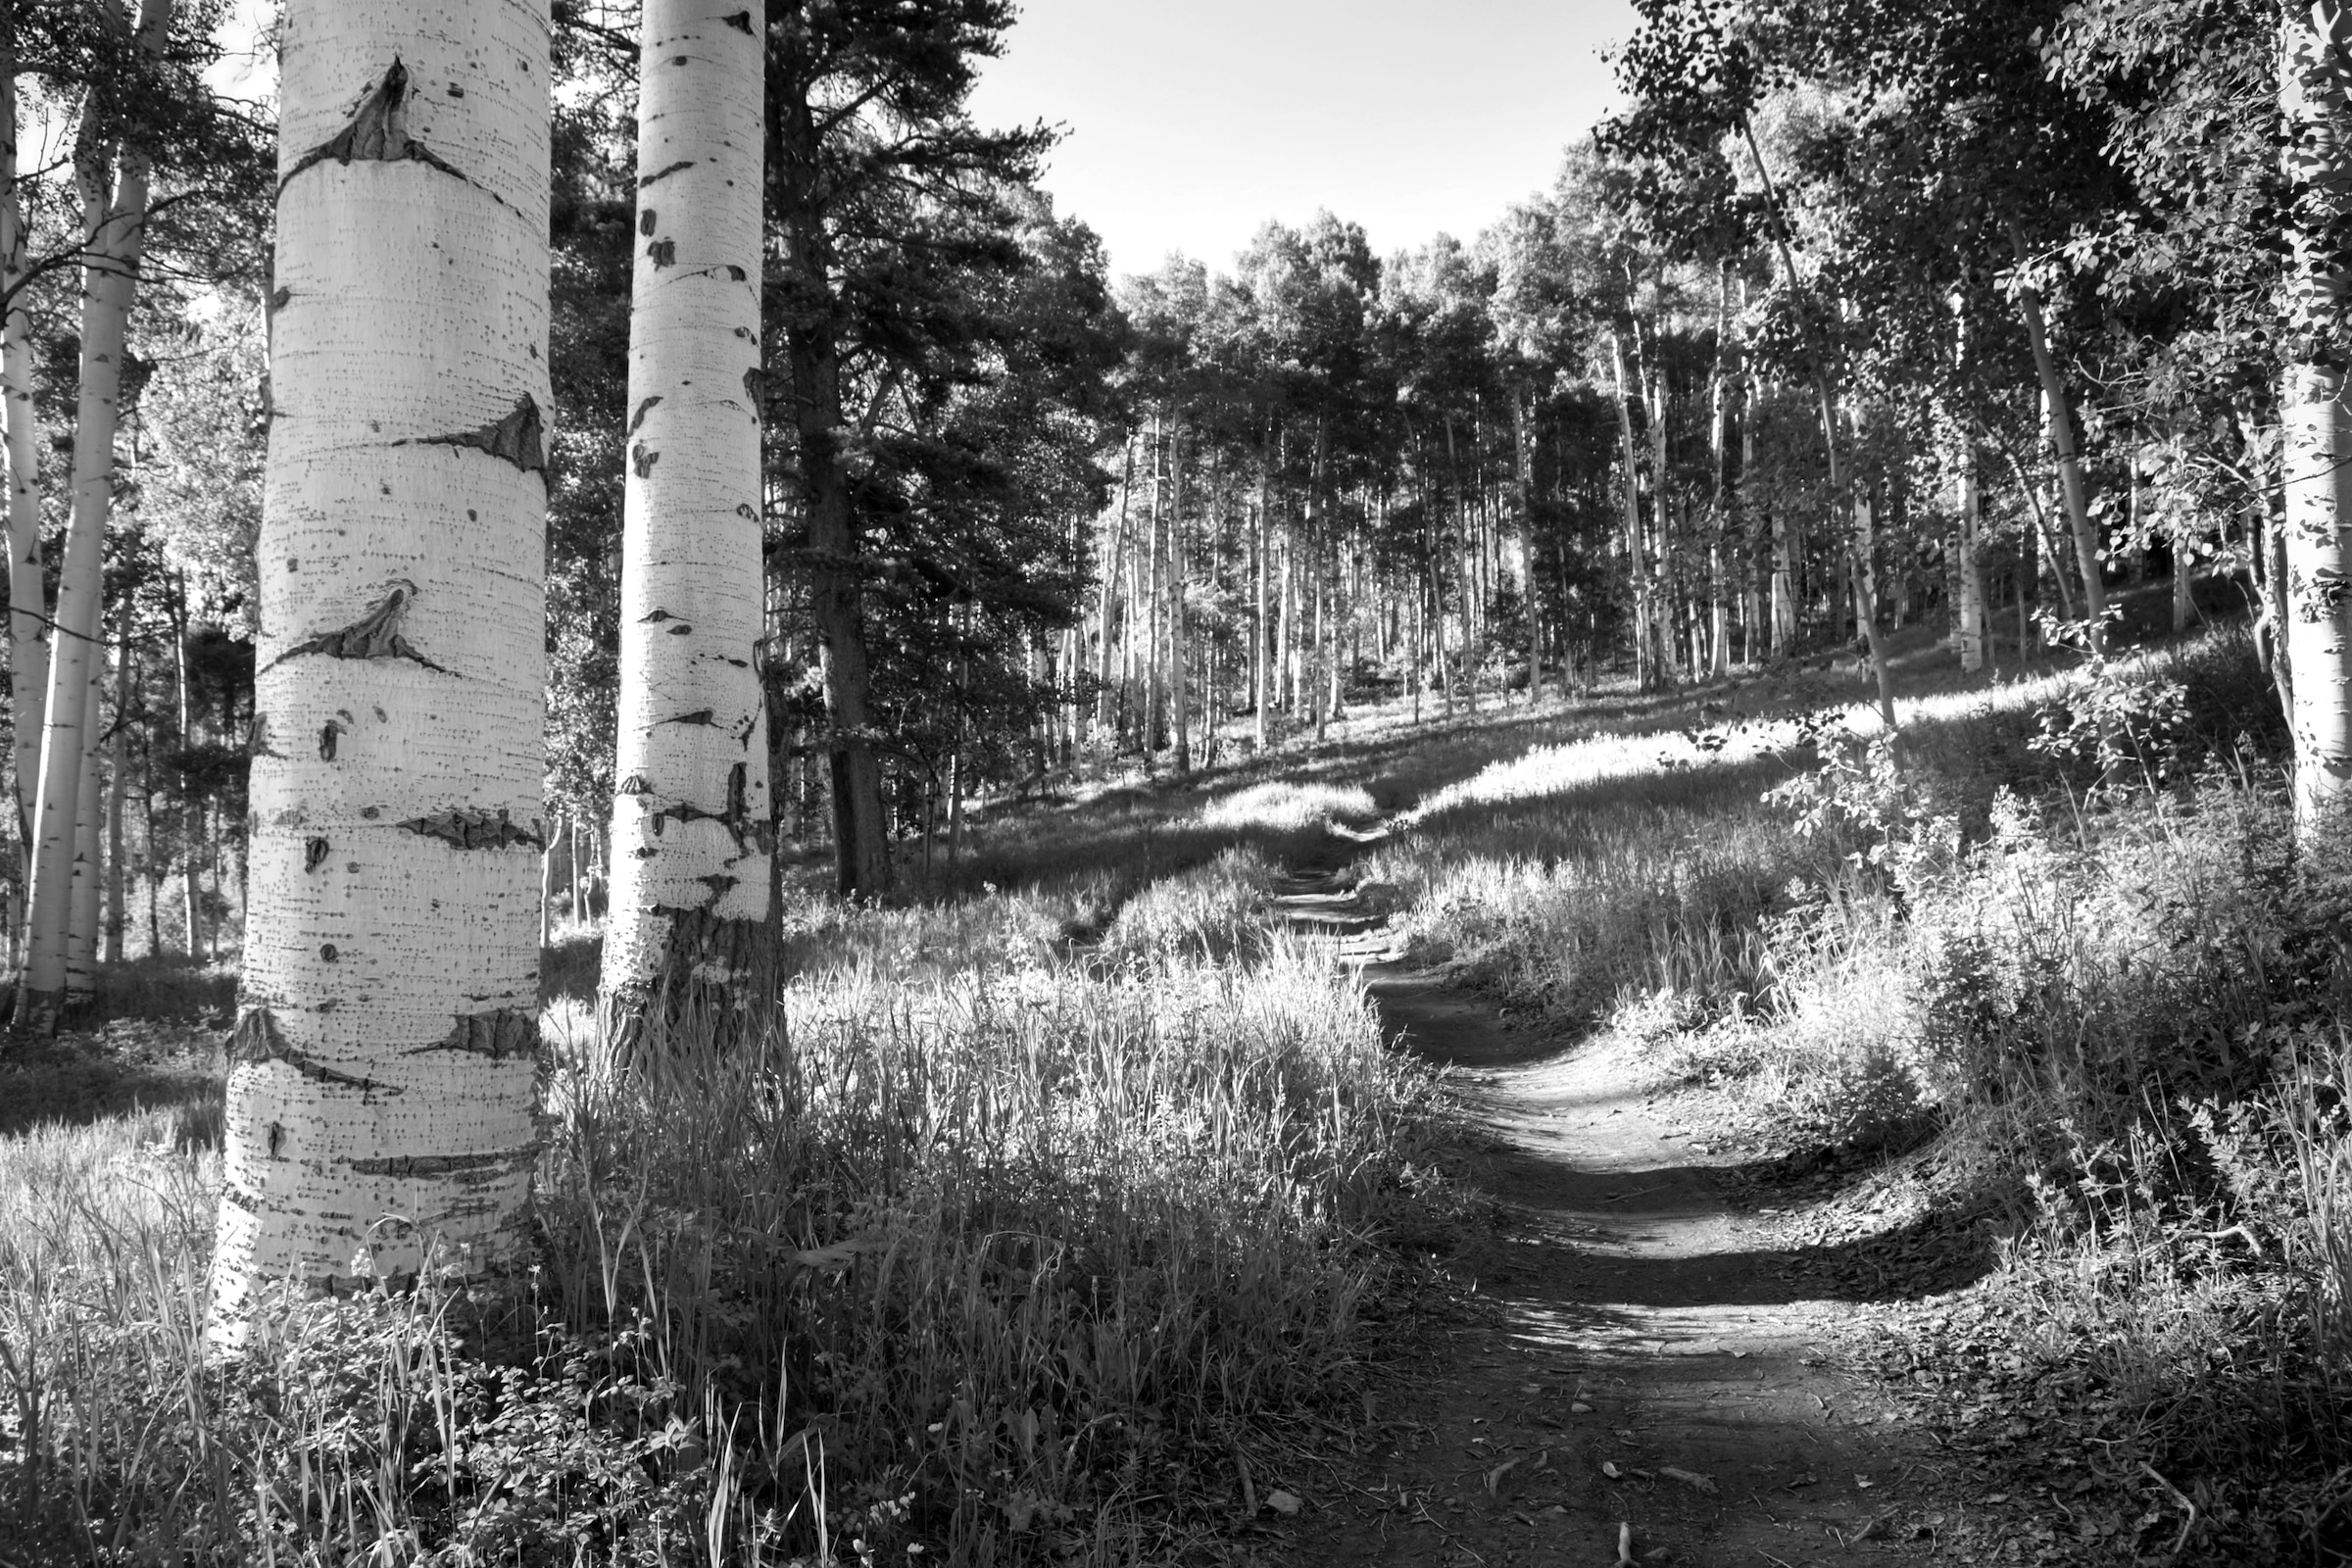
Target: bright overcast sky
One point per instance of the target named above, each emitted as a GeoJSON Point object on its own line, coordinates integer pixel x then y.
{"type": "Point", "coordinates": [1191, 123]}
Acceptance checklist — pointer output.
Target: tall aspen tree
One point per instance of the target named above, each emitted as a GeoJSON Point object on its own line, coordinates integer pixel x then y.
{"type": "Point", "coordinates": [20, 438]}
{"type": "Point", "coordinates": [2316, 100]}
{"type": "Point", "coordinates": [690, 813]}
{"type": "Point", "coordinates": [381, 1069]}
{"type": "Point", "coordinates": [113, 204]}
{"type": "Point", "coordinates": [85, 901]}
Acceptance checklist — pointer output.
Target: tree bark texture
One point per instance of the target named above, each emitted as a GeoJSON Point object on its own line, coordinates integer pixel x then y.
{"type": "Point", "coordinates": [836, 564]}
{"type": "Point", "coordinates": [690, 813]}
{"type": "Point", "coordinates": [2316, 101]}
{"type": "Point", "coordinates": [382, 1070]}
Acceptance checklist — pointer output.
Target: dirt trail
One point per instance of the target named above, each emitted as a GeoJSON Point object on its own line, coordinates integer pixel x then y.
{"type": "Point", "coordinates": [1641, 1323]}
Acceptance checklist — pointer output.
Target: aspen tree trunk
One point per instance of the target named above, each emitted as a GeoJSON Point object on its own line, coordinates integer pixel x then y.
{"type": "Point", "coordinates": [1728, 378]}
{"type": "Point", "coordinates": [2058, 409]}
{"type": "Point", "coordinates": [381, 1071]}
{"type": "Point", "coordinates": [86, 899]}
{"type": "Point", "coordinates": [20, 437]}
{"type": "Point", "coordinates": [1115, 563]}
{"type": "Point", "coordinates": [1155, 594]}
{"type": "Point", "coordinates": [2316, 467]}
{"type": "Point", "coordinates": [1865, 602]}
{"type": "Point", "coordinates": [191, 804]}
{"type": "Point", "coordinates": [117, 775]}
{"type": "Point", "coordinates": [1665, 594]}
{"type": "Point", "coordinates": [687, 921]}
{"type": "Point", "coordinates": [1970, 615]}
{"type": "Point", "coordinates": [1259, 690]}
{"type": "Point", "coordinates": [1630, 496]}
{"type": "Point", "coordinates": [114, 213]}
{"type": "Point", "coordinates": [2184, 604]}
{"type": "Point", "coordinates": [1180, 717]}
{"type": "Point", "coordinates": [1523, 479]}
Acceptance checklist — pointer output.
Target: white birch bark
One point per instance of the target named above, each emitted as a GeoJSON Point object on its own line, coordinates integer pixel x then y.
{"type": "Point", "coordinates": [115, 211]}
{"type": "Point", "coordinates": [380, 1081]}
{"type": "Point", "coordinates": [2317, 463]}
{"type": "Point", "coordinates": [690, 815]}
{"type": "Point", "coordinates": [20, 439]}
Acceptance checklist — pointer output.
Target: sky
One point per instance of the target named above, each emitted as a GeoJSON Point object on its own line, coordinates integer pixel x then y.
{"type": "Point", "coordinates": [1191, 123]}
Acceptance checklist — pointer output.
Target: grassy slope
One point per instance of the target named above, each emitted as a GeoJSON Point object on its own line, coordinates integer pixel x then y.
{"type": "Point", "coordinates": [1052, 1210]}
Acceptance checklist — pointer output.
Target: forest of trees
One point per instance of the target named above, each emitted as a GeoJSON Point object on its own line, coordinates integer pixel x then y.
{"type": "Point", "coordinates": [880, 494]}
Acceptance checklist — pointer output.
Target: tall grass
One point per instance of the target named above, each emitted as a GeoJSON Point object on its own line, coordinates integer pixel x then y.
{"type": "Point", "coordinates": [999, 1245]}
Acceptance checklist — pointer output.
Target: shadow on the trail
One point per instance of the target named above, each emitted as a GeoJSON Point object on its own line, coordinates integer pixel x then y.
{"type": "Point", "coordinates": [1573, 1268]}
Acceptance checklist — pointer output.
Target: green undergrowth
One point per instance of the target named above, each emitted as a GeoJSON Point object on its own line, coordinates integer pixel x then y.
{"type": "Point", "coordinates": [2059, 938]}
{"type": "Point", "coordinates": [1024, 1234]}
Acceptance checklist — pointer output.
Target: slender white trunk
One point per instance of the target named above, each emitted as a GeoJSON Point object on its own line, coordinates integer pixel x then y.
{"type": "Point", "coordinates": [115, 210]}
{"type": "Point", "coordinates": [20, 438]}
{"type": "Point", "coordinates": [690, 818]}
{"type": "Point", "coordinates": [2317, 461]}
{"type": "Point", "coordinates": [117, 779]}
{"type": "Point", "coordinates": [84, 899]}
{"type": "Point", "coordinates": [381, 1071]}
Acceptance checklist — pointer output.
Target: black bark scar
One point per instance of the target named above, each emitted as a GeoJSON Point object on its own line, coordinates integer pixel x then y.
{"type": "Point", "coordinates": [374, 635]}
{"type": "Point", "coordinates": [521, 438]}
{"type": "Point", "coordinates": [664, 172]}
{"type": "Point", "coordinates": [257, 1038]}
{"type": "Point", "coordinates": [378, 133]}
{"type": "Point", "coordinates": [498, 1034]}
{"type": "Point", "coordinates": [474, 828]}
{"type": "Point", "coordinates": [403, 1165]}
{"type": "Point", "coordinates": [643, 408]}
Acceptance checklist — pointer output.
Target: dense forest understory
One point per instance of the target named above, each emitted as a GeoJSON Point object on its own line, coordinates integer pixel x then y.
{"type": "Point", "coordinates": [770, 873]}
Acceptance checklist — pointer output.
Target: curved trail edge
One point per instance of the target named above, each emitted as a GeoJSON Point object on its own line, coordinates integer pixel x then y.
{"type": "Point", "coordinates": [1644, 1362]}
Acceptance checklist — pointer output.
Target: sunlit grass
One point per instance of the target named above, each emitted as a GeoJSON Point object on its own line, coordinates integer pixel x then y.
{"type": "Point", "coordinates": [1032, 1218]}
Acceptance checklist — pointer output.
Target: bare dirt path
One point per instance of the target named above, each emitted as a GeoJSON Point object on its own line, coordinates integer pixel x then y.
{"type": "Point", "coordinates": [1651, 1365]}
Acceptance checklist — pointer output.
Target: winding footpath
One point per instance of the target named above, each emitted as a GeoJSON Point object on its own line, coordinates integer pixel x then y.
{"type": "Point", "coordinates": [1649, 1385]}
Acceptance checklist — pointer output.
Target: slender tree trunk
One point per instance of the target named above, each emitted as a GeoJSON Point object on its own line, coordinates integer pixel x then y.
{"type": "Point", "coordinates": [1260, 689]}
{"type": "Point", "coordinates": [836, 550]}
{"type": "Point", "coordinates": [117, 775]}
{"type": "Point", "coordinates": [686, 925]}
{"type": "Point", "coordinates": [1970, 613]}
{"type": "Point", "coordinates": [1630, 459]}
{"type": "Point", "coordinates": [1113, 565]}
{"type": "Point", "coordinates": [87, 891]}
{"type": "Point", "coordinates": [2058, 406]}
{"type": "Point", "coordinates": [380, 1090]}
{"type": "Point", "coordinates": [114, 213]}
{"type": "Point", "coordinates": [20, 436]}
{"type": "Point", "coordinates": [1523, 481]}
{"type": "Point", "coordinates": [1179, 569]}
{"type": "Point", "coordinates": [1866, 604]}
{"type": "Point", "coordinates": [2184, 604]}
{"type": "Point", "coordinates": [2316, 461]}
